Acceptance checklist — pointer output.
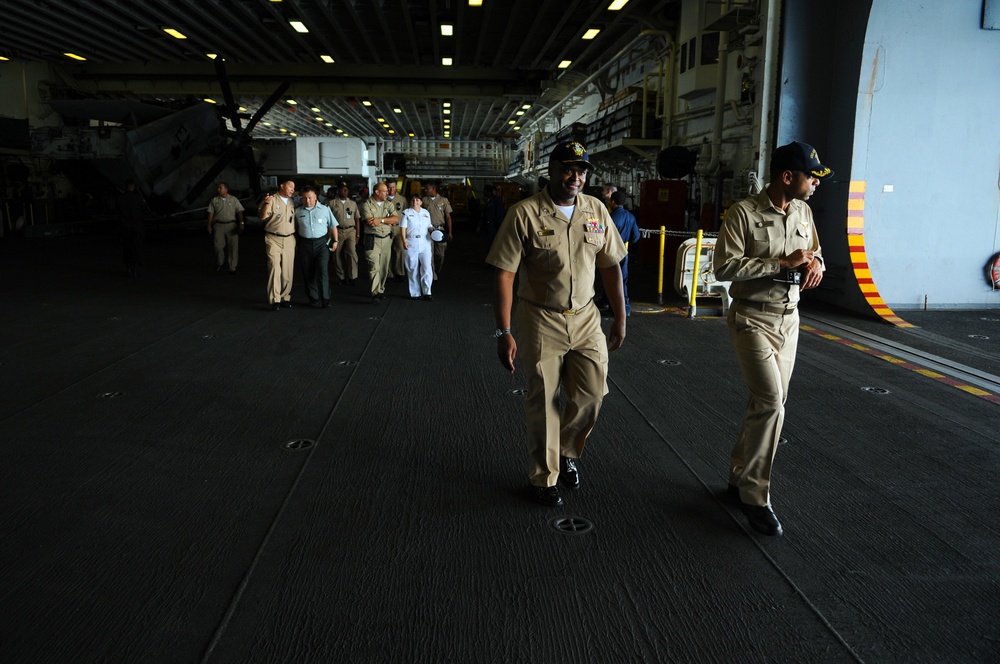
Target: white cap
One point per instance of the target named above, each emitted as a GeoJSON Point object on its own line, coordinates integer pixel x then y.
{"type": "Point", "coordinates": [437, 235]}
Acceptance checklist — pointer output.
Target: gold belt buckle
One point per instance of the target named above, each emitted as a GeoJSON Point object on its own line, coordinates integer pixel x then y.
{"type": "Point", "coordinates": [569, 312]}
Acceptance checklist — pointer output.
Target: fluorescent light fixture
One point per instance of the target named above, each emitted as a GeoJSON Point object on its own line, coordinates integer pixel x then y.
{"type": "Point", "coordinates": [293, 134]}
{"type": "Point", "coordinates": [519, 113]}
{"type": "Point", "coordinates": [319, 119]}
{"type": "Point", "coordinates": [266, 124]}
{"type": "Point", "coordinates": [328, 124]}
{"type": "Point", "coordinates": [4, 59]}
{"type": "Point", "coordinates": [475, 3]}
{"type": "Point", "coordinates": [590, 34]}
{"type": "Point", "coordinates": [327, 59]}
{"type": "Point", "coordinates": [366, 102]}
{"type": "Point", "coordinates": [174, 33]}
{"type": "Point", "coordinates": [397, 110]}
{"type": "Point", "coordinates": [340, 131]}
{"type": "Point", "coordinates": [291, 102]}
{"type": "Point", "coordinates": [616, 5]}
{"type": "Point", "coordinates": [315, 110]}
{"type": "Point", "coordinates": [511, 121]}
{"type": "Point", "coordinates": [517, 126]}
{"type": "Point", "coordinates": [565, 63]}
{"type": "Point", "coordinates": [212, 56]}
{"type": "Point", "coordinates": [210, 101]}
{"type": "Point", "coordinates": [74, 56]}
{"type": "Point", "coordinates": [243, 109]}
{"type": "Point", "coordinates": [446, 62]}
{"type": "Point", "coordinates": [411, 135]}
{"type": "Point", "coordinates": [446, 104]}
{"type": "Point", "coordinates": [446, 111]}
{"type": "Point", "coordinates": [391, 131]}
{"type": "Point", "coordinates": [447, 30]}
{"type": "Point", "coordinates": [283, 130]}
{"type": "Point", "coordinates": [299, 26]}
{"type": "Point", "coordinates": [385, 124]}
{"type": "Point", "coordinates": [526, 106]}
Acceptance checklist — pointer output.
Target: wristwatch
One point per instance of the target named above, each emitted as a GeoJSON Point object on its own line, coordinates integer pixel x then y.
{"type": "Point", "coordinates": [499, 333]}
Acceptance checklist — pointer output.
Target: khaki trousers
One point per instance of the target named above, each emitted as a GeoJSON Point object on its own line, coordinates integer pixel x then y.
{"type": "Point", "coordinates": [397, 266]}
{"type": "Point", "coordinates": [439, 250]}
{"type": "Point", "coordinates": [765, 347]}
{"type": "Point", "coordinates": [345, 258]}
{"type": "Point", "coordinates": [378, 263]}
{"type": "Point", "coordinates": [280, 262]}
{"type": "Point", "coordinates": [555, 350]}
{"type": "Point", "coordinates": [226, 240]}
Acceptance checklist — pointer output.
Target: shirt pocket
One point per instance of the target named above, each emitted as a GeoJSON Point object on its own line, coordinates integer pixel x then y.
{"type": "Point", "coordinates": [594, 242]}
{"type": "Point", "coordinates": [803, 237]}
{"type": "Point", "coordinates": [761, 241]}
{"type": "Point", "coordinates": [545, 251]}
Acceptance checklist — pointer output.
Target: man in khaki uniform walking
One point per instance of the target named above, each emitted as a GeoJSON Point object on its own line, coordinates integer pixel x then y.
{"type": "Point", "coordinates": [768, 247]}
{"type": "Point", "coordinates": [278, 214]}
{"type": "Point", "coordinates": [379, 217]}
{"type": "Point", "coordinates": [440, 210]}
{"type": "Point", "coordinates": [225, 223]}
{"type": "Point", "coordinates": [345, 256]}
{"type": "Point", "coordinates": [555, 241]}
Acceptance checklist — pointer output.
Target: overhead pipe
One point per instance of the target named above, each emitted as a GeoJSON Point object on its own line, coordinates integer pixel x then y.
{"type": "Point", "coordinates": [768, 93]}
{"type": "Point", "coordinates": [587, 81]}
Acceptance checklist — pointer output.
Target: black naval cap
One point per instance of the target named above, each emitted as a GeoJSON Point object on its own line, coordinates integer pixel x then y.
{"type": "Point", "coordinates": [799, 157]}
{"type": "Point", "coordinates": [571, 154]}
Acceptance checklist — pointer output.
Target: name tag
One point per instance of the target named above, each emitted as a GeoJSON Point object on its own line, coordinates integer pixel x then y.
{"type": "Point", "coordinates": [546, 231]}
{"type": "Point", "coordinates": [764, 224]}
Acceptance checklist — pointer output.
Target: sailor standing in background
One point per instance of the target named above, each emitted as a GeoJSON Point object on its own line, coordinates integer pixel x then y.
{"type": "Point", "coordinates": [397, 266]}
{"type": "Point", "coordinates": [225, 223]}
{"type": "Point", "coordinates": [345, 256]}
{"type": "Point", "coordinates": [278, 214]}
{"type": "Point", "coordinates": [316, 231]}
{"type": "Point", "coordinates": [768, 247]}
{"type": "Point", "coordinates": [554, 242]}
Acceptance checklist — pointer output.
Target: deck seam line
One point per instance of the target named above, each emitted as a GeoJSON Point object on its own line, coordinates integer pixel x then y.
{"type": "Point", "coordinates": [774, 564]}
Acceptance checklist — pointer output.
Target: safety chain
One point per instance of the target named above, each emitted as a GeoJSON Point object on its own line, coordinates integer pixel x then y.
{"type": "Point", "coordinates": [648, 232]}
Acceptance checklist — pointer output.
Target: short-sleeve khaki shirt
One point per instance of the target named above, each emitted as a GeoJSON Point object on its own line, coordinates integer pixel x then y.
{"type": "Point", "coordinates": [344, 211]}
{"type": "Point", "coordinates": [754, 235]}
{"type": "Point", "coordinates": [277, 215]}
{"type": "Point", "coordinates": [438, 207]}
{"type": "Point", "coordinates": [372, 209]}
{"type": "Point", "coordinates": [556, 259]}
{"type": "Point", "coordinates": [224, 209]}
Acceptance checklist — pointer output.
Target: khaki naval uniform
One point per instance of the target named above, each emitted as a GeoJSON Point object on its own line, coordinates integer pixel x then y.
{"type": "Point", "coordinates": [397, 265]}
{"type": "Point", "coordinates": [559, 335]}
{"type": "Point", "coordinates": [438, 208]}
{"type": "Point", "coordinates": [380, 237]}
{"type": "Point", "coordinates": [225, 233]}
{"type": "Point", "coordinates": [279, 244]}
{"type": "Point", "coordinates": [763, 324]}
{"type": "Point", "coordinates": [345, 257]}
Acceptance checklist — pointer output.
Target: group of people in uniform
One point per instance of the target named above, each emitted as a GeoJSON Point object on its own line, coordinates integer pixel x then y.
{"type": "Point", "coordinates": [555, 243]}
{"type": "Point", "coordinates": [400, 239]}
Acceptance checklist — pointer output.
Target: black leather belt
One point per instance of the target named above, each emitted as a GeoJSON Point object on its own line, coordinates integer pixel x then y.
{"type": "Point", "coordinates": [346, 228]}
{"type": "Point", "coordinates": [231, 221]}
{"type": "Point", "coordinates": [279, 234]}
{"type": "Point", "coordinates": [767, 307]}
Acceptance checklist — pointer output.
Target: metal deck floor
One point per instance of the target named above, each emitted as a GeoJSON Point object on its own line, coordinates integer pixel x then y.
{"type": "Point", "coordinates": [151, 510]}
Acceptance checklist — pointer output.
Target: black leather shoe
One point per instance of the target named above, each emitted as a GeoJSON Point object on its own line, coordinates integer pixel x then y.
{"type": "Point", "coordinates": [547, 495]}
{"type": "Point", "coordinates": [287, 304]}
{"type": "Point", "coordinates": [569, 473]}
{"type": "Point", "coordinates": [427, 297]}
{"type": "Point", "coordinates": [762, 519]}
{"type": "Point", "coordinates": [275, 307]}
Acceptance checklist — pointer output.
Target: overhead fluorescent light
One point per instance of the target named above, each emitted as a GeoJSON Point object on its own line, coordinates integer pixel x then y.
{"type": "Point", "coordinates": [210, 101]}
{"type": "Point", "coordinates": [74, 56]}
{"type": "Point", "coordinates": [397, 110]}
{"type": "Point", "coordinates": [283, 130]}
{"type": "Point", "coordinates": [293, 134]}
{"type": "Point", "coordinates": [519, 113]}
{"type": "Point", "coordinates": [411, 135]}
{"type": "Point", "coordinates": [319, 119]}
{"type": "Point", "coordinates": [525, 106]}
{"type": "Point", "coordinates": [366, 102]}
{"type": "Point", "coordinates": [380, 119]}
{"type": "Point", "coordinates": [565, 63]}
{"type": "Point", "coordinates": [328, 124]}
{"type": "Point", "coordinates": [616, 5]}
{"type": "Point", "coordinates": [517, 126]}
{"type": "Point", "coordinates": [327, 59]}
{"type": "Point", "coordinates": [392, 131]}
{"type": "Point", "coordinates": [446, 104]}
{"type": "Point", "coordinates": [385, 124]}
{"type": "Point", "coordinates": [446, 111]}
{"type": "Point", "coordinates": [475, 3]}
{"type": "Point", "coordinates": [174, 33]}
{"type": "Point", "coordinates": [590, 34]}
{"type": "Point", "coordinates": [299, 26]}
{"type": "Point", "coordinates": [291, 102]}
{"type": "Point", "coordinates": [266, 124]}
{"type": "Point", "coordinates": [447, 30]}
{"type": "Point", "coordinates": [212, 56]}
{"type": "Point", "coordinates": [243, 109]}
{"type": "Point", "coordinates": [511, 121]}
{"type": "Point", "coordinates": [4, 59]}
{"type": "Point", "coordinates": [315, 110]}
{"type": "Point", "coordinates": [446, 62]}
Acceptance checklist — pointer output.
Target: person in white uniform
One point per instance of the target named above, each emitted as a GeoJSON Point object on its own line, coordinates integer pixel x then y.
{"type": "Point", "coordinates": [417, 227]}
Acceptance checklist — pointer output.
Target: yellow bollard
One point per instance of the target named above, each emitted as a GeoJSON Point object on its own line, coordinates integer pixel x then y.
{"type": "Point", "coordinates": [693, 311]}
{"type": "Point", "coordinates": [663, 248]}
